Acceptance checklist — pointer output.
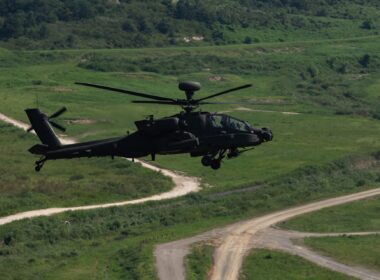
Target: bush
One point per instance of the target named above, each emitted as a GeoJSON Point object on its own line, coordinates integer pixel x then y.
{"type": "Point", "coordinates": [364, 60]}
{"type": "Point", "coordinates": [248, 40]}
{"type": "Point", "coordinates": [367, 24]}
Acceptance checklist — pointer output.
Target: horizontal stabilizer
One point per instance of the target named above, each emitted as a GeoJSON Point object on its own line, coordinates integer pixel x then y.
{"type": "Point", "coordinates": [39, 149]}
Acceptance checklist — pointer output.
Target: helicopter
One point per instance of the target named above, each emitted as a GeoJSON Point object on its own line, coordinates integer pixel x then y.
{"type": "Point", "coordinates": [211, 136]}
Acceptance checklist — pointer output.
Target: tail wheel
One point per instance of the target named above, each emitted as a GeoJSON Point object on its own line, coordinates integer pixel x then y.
{"type": "Point", "coordinates": [39, 164]}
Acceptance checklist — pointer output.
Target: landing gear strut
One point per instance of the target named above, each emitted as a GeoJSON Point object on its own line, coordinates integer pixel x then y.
{"type": "Point", "coordinates": [39, 164]}
{"type": "Point", "coordinates": [213, 161]}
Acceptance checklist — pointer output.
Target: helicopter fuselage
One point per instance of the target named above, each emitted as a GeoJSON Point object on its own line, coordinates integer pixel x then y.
{"type": "Point", "coordinates": [203, 134]}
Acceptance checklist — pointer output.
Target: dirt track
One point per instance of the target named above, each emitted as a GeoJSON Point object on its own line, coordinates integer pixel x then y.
{"type": "Point", "coordinates": [236, 240]}
{"type": "Point", "coordinates": [183, 186]}
{"type": "Point", "coordinates": [283, 240]}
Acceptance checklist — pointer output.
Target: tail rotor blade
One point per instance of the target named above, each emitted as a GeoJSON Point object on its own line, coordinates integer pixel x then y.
{"type": "Point", "coordinates": [57, 126]}
{"type": "Point", "coordinates": [58, 113]}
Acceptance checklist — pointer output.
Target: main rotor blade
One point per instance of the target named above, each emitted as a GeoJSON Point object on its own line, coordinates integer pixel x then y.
{"type": "Point", "coordinates": [60, 127]}
{"type": "Point", "coordinates": [156, 102]}
{"type": "Point", "coordinates": [241, 103]}
{"type": "Point", "coordinates": [58, 113]}
{"type": "Point", "coordinates": [126, 92]}
{"type": "Point", "coordinates": [224, 92]}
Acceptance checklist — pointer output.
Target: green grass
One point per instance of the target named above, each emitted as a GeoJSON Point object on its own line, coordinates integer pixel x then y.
{"type": "Point", "coordinates": [314, 155]}
{"type": "Point", "coordinates": [352, 250]}
{"type": "Point", "coordinates": [358, 216]}
{"type": "Point", "coordinates": [265, 264]}
{"type": "Point", "coordinates": [199, 262]}
{"type": "Point", "coordinates": [65, 183]}
{"type": "Point", "coordinates": [120, 241]}
{"type": "Point", "coordinates": [352, 217]}
{"type": "Point", "coordinates": [280, 73]}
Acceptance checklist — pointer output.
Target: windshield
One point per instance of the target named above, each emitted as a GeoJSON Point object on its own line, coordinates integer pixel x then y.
{"type": "Point", "coordinates": [235, 124]}
{"type": "Point", "coordinates": [223, 122]}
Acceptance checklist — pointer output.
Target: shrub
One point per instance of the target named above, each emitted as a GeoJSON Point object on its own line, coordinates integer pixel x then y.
{"type": "Point", "coordinates": [367, 24]}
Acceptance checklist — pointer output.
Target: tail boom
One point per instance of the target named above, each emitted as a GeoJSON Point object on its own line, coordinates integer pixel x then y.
{"type": "Point", "coordinates": [44, 131]}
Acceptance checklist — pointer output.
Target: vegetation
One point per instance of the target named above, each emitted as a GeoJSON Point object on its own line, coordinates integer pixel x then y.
{"type": "Point", "coordinates": [353, 250]}
{"type": "Point", "coordinates": [133, 23]}
{"type": "Point", "coordinates": [338, 111]}
{"type": "Point", "coordinates": [199, 262]}
{"type": "Point", "coordinates": [316, 154]}
{"type": "Point", "coordinates": [265, 264]}
{"type": "Point", "coordinates": [89, 181]}
{"type": "Point", "coordinates": [344, 218]}
{"type": "Point", "coordinates": [37, 246]}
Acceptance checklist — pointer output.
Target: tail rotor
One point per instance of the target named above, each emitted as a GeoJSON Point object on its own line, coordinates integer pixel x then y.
{"type": "Point", "coordinates": [53, 116]}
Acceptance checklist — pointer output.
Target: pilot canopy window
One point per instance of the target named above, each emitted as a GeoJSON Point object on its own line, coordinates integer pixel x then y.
{"type": "Point", "coordinates": [222, 122]}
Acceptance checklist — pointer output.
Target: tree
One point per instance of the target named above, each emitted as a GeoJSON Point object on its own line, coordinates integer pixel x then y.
{"type": "Point", "coordinates": [43, 32]}
{"type": "Point", "coordinates": [85, 10]}
{"type": "Point", "coordinates": [13, 26]}
{"type": "Point", "coordinates": [163, 27]}
{"type": "Point", "coordinates": [128, 26]}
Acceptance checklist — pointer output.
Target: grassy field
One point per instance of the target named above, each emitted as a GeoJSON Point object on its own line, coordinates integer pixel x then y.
{"type": "Point", "coordinates": [352, 217]}
{"type": "Point", "coordinates": [359, 216]}
{"type": "Point", "coordinates": [199, 262]}
{"type": "Point", "coordinates": [322, 80]}
{"type": "Point", "coordinates": [265, 264]}
{"type": "Point", "coordinates": [316, 154]}
{"type": "Point", "coordinates": [353, 250]}
{"type": "Point", "coordinates": [60, 184]}
{"type": "Point", "coordinates": [119, 241]}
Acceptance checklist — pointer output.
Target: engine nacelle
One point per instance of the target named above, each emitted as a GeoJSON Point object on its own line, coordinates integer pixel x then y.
{"type": "Point", "coordinates": [156, 127]}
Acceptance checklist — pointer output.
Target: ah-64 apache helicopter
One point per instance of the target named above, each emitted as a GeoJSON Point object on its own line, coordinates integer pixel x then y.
{"type": "Point", "coordinates": [211, 136]}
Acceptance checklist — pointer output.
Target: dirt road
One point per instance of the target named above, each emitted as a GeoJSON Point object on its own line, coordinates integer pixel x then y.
{"type": "Point", "coordinates": [183, 185]}
{"type": "Point", "coordinates": [276, 239]}
{"type": "Point", "coordinates": [236, 240]}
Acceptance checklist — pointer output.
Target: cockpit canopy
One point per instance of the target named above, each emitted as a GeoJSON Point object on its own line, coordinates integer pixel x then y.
{"type": "Point", "coordinates": [227, 123]}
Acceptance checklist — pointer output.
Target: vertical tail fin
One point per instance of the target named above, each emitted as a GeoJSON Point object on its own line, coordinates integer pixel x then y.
{"type": "Point", "coordinates": [41, 126]}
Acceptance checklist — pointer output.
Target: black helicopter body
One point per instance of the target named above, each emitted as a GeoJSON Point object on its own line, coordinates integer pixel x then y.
{"type": "Point", "coordinates": [211, 136]}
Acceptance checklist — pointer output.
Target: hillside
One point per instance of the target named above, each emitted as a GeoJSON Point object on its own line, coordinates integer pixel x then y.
{"type": "Point", "coordinates": [57, 24]}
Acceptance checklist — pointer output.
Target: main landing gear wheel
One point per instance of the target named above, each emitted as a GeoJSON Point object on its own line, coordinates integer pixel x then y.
{"type": "Point", "coordinates": [215, 164]}
{"type": "Point", "coordinates": [39, 164]}
{"type": "Point", "coordinates": [206, 160]}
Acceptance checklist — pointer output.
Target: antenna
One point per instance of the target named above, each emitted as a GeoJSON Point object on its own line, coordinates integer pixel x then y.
{"type": "Point", "coordinates": [37, 101]}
